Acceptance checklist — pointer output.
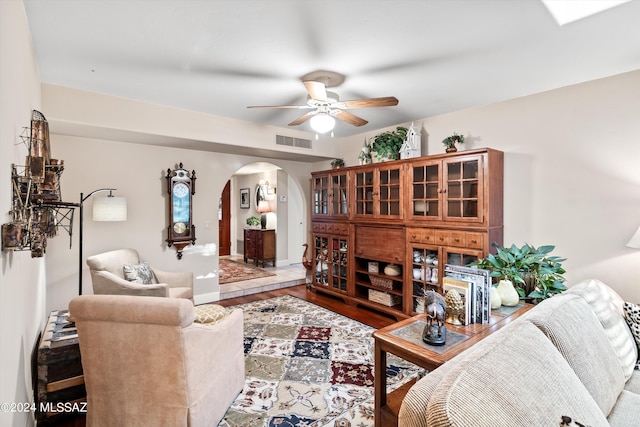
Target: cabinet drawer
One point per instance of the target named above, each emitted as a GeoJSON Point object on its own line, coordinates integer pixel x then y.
{"type": "Point", "coordinates": [318, 227]}
{"type": "Point", "coordinates": [378, 243]}
{"type": "Point", "coordinates": [456, 238]}
{"type": "Point", "coordinates": [442, 237]}
{"type": "Point", "coordinates": [414, 235]}
{"type": "Point", "coordinates": [337, 228]}
{"type": "Point", "coordinates": [474, 240]}
{"type": "Point", "coordinates": [428, 236]}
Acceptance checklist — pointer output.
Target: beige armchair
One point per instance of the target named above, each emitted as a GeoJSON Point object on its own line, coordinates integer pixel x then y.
{"type": "Point", "coordinates": [147, 364]}
{"type": "Point", "coordinates": [108, 278]}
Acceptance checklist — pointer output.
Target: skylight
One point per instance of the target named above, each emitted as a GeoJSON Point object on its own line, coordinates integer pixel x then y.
{"type": "Point", "coordinates": [567, 11]}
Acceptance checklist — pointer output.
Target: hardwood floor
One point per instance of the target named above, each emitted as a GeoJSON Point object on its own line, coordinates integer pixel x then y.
{"type": "Point", "coordinates": [368, 317]}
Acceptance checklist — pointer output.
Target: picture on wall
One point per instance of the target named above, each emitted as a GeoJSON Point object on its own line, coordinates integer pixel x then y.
{"type": "Point", "coordinates": [245, 198]}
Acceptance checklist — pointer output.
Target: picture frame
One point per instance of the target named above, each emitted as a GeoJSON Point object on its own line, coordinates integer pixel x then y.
{"type": "Point", "coordinates": [245, 198]}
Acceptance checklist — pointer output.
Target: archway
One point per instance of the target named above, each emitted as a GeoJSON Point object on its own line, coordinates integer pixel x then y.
{"type": "Point", "coordinates": [288, 205]}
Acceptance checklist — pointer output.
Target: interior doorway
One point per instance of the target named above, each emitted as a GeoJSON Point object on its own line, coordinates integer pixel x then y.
{"type": "Point", "coordinates": [224, 220]}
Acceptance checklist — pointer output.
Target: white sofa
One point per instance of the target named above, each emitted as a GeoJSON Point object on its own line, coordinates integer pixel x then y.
{"type": "Point", "coordinates": [571, 356]}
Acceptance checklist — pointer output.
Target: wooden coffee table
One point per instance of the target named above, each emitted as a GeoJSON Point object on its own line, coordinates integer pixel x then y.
{"type": "Point", "coordinates": [404, 339]}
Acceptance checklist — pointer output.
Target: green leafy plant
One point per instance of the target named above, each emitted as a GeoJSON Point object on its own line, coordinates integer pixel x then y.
{"type": "Point", "coordinates": [253, 221]}
{"type": "Point", "coordinates": [452, 140]}
{"type": "Point", "coordinates": [534, 273]}
{"type": "Point", "coordinates": [388, 144]}
{"type": "Point", "coordinates": [337, 163]}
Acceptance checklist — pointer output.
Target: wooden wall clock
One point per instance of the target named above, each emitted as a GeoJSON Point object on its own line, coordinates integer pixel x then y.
{"type": "Point", "coordinates": [181, 186]}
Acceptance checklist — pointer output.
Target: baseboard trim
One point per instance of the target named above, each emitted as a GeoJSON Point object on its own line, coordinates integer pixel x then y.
{"type": "Point", "coordinates": [206, 298]}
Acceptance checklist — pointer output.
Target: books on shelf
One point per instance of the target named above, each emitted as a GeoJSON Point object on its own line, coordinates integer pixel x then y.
{"type": "Point", "coordinates": [476, 284]}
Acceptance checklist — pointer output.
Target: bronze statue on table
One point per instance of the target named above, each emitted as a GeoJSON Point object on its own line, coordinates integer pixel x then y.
{"type": "Point", "coordinates": [435, 332]}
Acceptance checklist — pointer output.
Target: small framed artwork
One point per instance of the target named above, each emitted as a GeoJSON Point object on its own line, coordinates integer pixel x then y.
{"type": "Point", "coordinates": [245, 198]}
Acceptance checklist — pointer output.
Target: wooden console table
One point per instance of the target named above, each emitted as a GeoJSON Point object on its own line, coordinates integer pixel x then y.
{"type": "Point", "coordinates": [260, 245]}
{"type": "Point", "coordinates": [404, 339]}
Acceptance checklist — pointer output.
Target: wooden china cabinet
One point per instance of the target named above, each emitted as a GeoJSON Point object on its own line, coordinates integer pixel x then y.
{"type": "Point", "coordinates": [416, 214]}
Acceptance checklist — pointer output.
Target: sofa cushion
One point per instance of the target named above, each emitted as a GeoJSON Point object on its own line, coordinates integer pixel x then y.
{"type": "Point", "coordinates": [575, 331]}
{"type": "Point", "coordinates": [627, 411]}
{"type": "Point", "coordinates": [181, 292]}
{"type": "Point", "coordinates": [520, 380]}
{"type": "Point", "coordinates": [139, 273]}
{"type": "Point", "coordinates": [607, 306]}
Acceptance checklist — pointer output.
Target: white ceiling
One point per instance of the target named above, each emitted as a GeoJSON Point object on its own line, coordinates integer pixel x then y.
{"type": "Point", "coordinates": [220, 56]}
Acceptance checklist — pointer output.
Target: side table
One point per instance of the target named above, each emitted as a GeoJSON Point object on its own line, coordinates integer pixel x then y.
{"type": "Point", "coordinates": [404, 339]}
{"type": "Point", "coordinates": [260, 245]}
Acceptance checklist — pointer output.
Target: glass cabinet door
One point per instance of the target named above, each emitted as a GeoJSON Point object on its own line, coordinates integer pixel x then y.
{"type": "Point", "coordinates": [364, 193]}
{"type": "Point", "coordinates": [425, 275]}
{"type": "Point", "coordinates": [425, 191]}
{"type": "Point", "coordinates": [463, 195]}
{"type": "Point", "coordinates": [338, 264]}
{"type": "Point", "coordinates": [389, 194]}
{"type": "Point", "coordinates": [338, 194]}
{"type": "Point", "coordinates": [320, 195]}
{"type": "Point", "coordinates": [461, 256]}
{"type": "Point", "coordinates": [321, 260]}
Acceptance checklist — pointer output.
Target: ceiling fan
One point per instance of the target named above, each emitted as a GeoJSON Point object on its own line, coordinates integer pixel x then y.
{"type": "Point", "coordinates": [326, 105]}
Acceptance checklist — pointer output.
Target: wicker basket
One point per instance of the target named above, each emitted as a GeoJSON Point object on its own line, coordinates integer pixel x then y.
{"type": "Point", "coordinates": [384, 298]}
{"type": "Point", "coordinates": [381, 282]}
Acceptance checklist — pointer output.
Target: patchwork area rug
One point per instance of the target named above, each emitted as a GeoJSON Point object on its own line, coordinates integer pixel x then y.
{"type": "Point", "coordinates": [232, 271]}
{"type": "Point", "coordinates": [308, 366]}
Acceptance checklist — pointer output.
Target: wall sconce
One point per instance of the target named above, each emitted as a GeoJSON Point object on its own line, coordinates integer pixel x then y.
{"type": "Point", "coordinates": [263, 208]}
{"type": "Point", "coordinates": [634, 242]}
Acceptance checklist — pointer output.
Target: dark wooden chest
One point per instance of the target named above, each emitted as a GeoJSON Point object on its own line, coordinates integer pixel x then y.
{"type": "Point", "coordinates": [60, 390]}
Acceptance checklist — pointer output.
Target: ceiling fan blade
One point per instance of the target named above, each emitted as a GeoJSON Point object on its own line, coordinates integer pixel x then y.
{"type": "Point", "coordinates": [303, 118]}
{"type": "Point", "coordinates": [301, 107]}
{"type": "Point", "coordinates": [316, 90]}
{"type": "Point", "coordinates": [345, 116]}
{"type": "Point", "coordinates": [388, 101]}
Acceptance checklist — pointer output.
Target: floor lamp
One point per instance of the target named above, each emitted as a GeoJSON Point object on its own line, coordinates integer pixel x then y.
{"type": "Point", "coordinates": [108, 208]}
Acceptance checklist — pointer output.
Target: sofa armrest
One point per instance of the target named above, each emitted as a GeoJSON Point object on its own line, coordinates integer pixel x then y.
{"type": "Point", "coordinates": [175, 279]}
{"type": "Point", "coordinates": [110, 284]}
{"type": "Point", "coordinates": [214, 357]}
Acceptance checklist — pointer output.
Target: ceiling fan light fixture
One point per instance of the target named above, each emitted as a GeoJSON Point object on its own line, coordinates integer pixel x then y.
{"type": "Point", "coordinates": [322, 122]}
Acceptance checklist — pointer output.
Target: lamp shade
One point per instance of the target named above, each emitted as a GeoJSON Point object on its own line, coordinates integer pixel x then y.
{"type": "Point", "coordinates": [634, 241]}
{"type": "Point", "coordinates": [322, 122]}
{"type": "Point", "coordinates": [110, 208]}
{"type": "Point", "coordinates": [263, 207]}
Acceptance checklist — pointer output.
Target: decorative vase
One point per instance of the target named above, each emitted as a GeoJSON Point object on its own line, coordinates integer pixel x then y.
{"type": "Point", "coordinates": [417, 273]}
{"type": "Point", "coordinates": [496, 301]}
{"type": "Point", "coordinates": [392, 270]}
{"type": "Point", "coordinates": [451, 149]}
{"type": "Point", "coordinates": [508, 293]}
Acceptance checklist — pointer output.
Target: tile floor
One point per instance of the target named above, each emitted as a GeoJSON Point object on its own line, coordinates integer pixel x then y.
{"type": "Point", "coordinates": [290, 275]}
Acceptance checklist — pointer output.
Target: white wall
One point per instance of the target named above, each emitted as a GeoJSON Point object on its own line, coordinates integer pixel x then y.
{"type": "Point", "coordinates": [23, 284]}
{"type": "Point", "coordinates": [572, 172]}
{"type": "Point", "coordinates": [138, 172]}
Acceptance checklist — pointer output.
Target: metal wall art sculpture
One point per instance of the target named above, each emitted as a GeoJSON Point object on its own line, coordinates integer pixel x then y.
{"type": "Point", "coordinates": [37, 210]}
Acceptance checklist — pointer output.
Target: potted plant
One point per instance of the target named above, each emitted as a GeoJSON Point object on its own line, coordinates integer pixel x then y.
{"type": "Point", "coordinates": [387, 144]}
{"type": "Point", "coordinates": [253, 221]}
{"type": "Point", "coordinates": [535, 274]}
{"type": "Point", "coordinates": [337, 163]}
{"type": "Point", "coordinates": [451, 141]}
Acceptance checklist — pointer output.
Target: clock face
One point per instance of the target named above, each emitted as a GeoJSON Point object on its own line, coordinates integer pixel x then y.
{"type": "Point", "coordinates": [180, 190]}
{"type": "Point", "coordinates": [179, 227]}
